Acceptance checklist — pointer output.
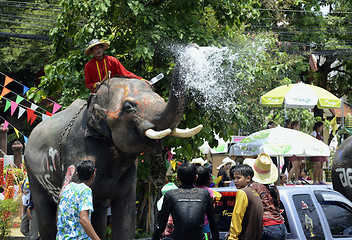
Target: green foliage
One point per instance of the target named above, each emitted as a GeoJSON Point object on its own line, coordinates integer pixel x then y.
{"type": "Point", "coordinates": [7, 208]}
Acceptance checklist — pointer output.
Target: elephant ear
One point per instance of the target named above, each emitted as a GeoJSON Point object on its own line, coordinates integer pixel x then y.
{"type": "Point", "coordinates": [96, 119]}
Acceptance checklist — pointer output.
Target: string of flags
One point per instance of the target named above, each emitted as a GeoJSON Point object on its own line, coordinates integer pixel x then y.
{"type": "Point", "coordinates": [32, 111]}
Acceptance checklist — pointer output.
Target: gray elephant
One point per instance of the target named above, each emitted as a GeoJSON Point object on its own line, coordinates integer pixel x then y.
{"type": "Point", "coordinates": [342, 169]}
{"type": "Point", "coordinates": [122, 120]}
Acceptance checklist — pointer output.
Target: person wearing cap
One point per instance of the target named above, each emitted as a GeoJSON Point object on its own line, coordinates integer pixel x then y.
{"type": "Point", "coordinates": [198, 162]}
{"type": "Point", "coordinates": [223, 168]}
{"type": "Point", "coordinates": [170, 222]}
{"type": "Point", "coordinates": [98, 68]}
{"type": "Point", "coordinates": [188, 206]}
{"type": "Point", "coordinates": [265, 174]}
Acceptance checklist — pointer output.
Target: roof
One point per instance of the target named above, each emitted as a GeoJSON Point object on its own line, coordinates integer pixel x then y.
{"type": "Point", "coordinates": [347, 108]}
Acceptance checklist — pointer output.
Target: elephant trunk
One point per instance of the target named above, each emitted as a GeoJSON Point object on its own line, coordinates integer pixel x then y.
{"type": "Point", "coordinates": [173, 112]}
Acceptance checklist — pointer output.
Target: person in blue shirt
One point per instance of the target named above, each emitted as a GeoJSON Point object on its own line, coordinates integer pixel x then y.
{"type": "Point", "coordinates": [76, 206]}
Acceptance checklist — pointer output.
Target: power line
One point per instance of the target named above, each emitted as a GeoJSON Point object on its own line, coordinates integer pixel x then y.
{"type": "Point", "coordinates": [28, 3]}
{"type": "Point", "coordinates": [30, 14]}
{"type": "Point", "coordinates": [33, 24]}
{"type": "Point", "coordinates": [26, 36]}
{"type": "Point", "coordinates": [31, 18]}
{"type": "Point", "coordinates": [300, 11]}
{"type": "Point", "coordinates": [31, 8]}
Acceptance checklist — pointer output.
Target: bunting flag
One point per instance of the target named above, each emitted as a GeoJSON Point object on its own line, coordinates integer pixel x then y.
{"type": "Point", "coordinates": [34, 116]}
{"type": "Point", "coordinates": [7, 80]}
{"type": "Point", "coordinates": [34, 107]}
{"type": "Point", "coordinates": [44, 117]}
{"type": "Point", "coordinates": [19, 99]}
{"type": "Point", "coordinates": [56, 107]}
{"type": "Point", "coordinates": [6, 123]}
{"type": "Point", "coordinates": [173, 164]}
{"type": "Point", "coordinates": [16, 132]}
{"type": "Point", "coordinates": [21, 110]}
{"type": "Point", "coordinates": [5, 91]}
{"type": "Point", "coordinates": [13, 107]}
{"type": "Point", "coordinates": [30, 113]}
{"type": "Point", "coordinates": [25, 89]}
{"type": "Point", "coordinates": [8, 104]}
{"type": "Point", "coordinates": [217, 180]}
{"type": "Point", "coordinates": [25, 139]}
{"type": "Point", "coordinates": [48, 113]}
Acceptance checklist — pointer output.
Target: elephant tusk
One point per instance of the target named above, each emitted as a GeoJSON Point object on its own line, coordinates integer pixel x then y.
{"type": "Point", "coordinates": [157, 134]}
{"type": "Point", "coordinates": [177, 132]}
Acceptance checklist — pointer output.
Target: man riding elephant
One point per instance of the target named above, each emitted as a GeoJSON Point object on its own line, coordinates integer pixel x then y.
{"type": "Point", "coordinates": [98, 68]}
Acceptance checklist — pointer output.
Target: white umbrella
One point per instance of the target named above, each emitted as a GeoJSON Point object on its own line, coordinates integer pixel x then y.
{"type": "Point", "coordinates": [280, 141]}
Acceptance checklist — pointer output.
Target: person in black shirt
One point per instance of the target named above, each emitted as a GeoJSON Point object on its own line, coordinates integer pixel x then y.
{"type": "Point", "coordinates": [187, 206]}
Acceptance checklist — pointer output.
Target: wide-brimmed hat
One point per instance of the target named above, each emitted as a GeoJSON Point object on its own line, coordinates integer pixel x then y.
{"type": "Point", "coordinates": [225, 161]}
{"type": "Point", "coordinates": [95, 42]}
{"type": "Point", "coordinates": [199, 161]}
{"type": "Point", "coordinates": [166, 188]}
{"type": "Point", "coordinates": [265, 171]}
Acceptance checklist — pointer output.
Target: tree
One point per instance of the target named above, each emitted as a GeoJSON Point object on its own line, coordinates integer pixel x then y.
{"type": "Point", "coordinates": [144, 34]}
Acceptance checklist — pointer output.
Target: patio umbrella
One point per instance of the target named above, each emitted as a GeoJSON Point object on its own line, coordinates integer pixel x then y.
{"type": "Point", "coordinates": [300, 95]}
{"type": "Point", "coordinates": [280, 141]}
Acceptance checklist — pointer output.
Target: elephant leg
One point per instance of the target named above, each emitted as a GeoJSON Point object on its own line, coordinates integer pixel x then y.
{"type": "Point", "coordinates": [99, 218]}
{"type": "Point", "coordinates": [123, 208]}
{"type": "Point", "coordinates": [46, 210]}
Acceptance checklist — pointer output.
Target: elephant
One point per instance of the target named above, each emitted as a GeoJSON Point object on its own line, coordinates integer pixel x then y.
{"type": "Point", "coordinates": [123, 119]}
{"type": "Point", "coordinates": [341, 172]}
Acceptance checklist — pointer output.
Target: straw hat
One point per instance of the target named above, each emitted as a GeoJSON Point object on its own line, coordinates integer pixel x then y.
{"type": "Point", "coordinates": [199, 161]}
{"type": "Point", "coordinates": [225, 161]}
{"type": "Point", "coordinates": [265, 171]}
{"type": "Point", "coordinates": [166, 188]}
{"type": "Point", "coordinates": [95, 42]}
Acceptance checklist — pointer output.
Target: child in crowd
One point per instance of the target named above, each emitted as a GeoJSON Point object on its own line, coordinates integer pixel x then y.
{"type": "Point", "coordinates": [247, 216]}
{"type": "Point", "coordinates": [283, 179]}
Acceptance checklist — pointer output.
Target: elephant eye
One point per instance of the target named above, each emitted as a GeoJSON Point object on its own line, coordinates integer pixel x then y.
{"type": "Point", "coordinates": [128, 106]}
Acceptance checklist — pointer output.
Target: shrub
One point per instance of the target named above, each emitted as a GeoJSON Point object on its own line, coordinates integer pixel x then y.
{"type": "Point", "coordinates": [7, 208]}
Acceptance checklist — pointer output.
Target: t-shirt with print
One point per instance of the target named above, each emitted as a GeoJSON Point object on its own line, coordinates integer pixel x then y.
{"type": "Point", "coordinates": [74, 199]}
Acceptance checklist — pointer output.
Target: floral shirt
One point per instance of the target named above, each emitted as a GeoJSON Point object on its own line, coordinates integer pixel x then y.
{"type": "Point", "coordinates": [74, 199]}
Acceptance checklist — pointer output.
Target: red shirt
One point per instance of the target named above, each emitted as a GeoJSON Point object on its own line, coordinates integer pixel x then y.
{"type": "Point", "coordinates": [95, 70]}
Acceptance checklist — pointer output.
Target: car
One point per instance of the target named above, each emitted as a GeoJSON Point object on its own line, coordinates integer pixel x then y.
{"type": "Point", "coordinates": [310, 211]}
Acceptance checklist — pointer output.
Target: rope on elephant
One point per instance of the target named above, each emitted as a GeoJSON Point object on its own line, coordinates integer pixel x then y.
{"type": "Point", "coordinates": [68, 129]}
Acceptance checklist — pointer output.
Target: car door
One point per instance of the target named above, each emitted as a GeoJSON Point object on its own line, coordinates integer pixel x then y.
{"type": "Point", "coordinates": [337, 211]}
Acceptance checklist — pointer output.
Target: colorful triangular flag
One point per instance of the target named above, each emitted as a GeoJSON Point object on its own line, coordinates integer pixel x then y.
{"type": "Point", "coordinates": [7, 105]}
{"type": "Point", "coordinates": [19, 99]}
{"type": "Point", "coordinates": [21, 110]}
{"type": "Point", "coordinates": [5, 91]}
{"type": "Point", "coordinates": [34, 107]}
{"type": "Point", "coordinates": [6, 123]}
{"type": "Point", "coordinates": [16, 132]}
{"type": "Point", "coordinates": [25, 89]}
{"type": "Point", "coordinates": [56, 107]}
{"type": "Point", "coordinates": [13, 107]}
{"type": "Point", "coordinates": [25, 139]}
{"type": "Point", "coordinates": [7, 80]}
{"type": "Point", "coordinates": [48, 113]}
{"type": "Point", "coordinates": [30, 113]}
{"type": "Point", "coordinates": [44, 117]}
{"type": "Point", "coordinates": [34, 116]}
{"type": "Point", "coordinates": [173, 164]}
